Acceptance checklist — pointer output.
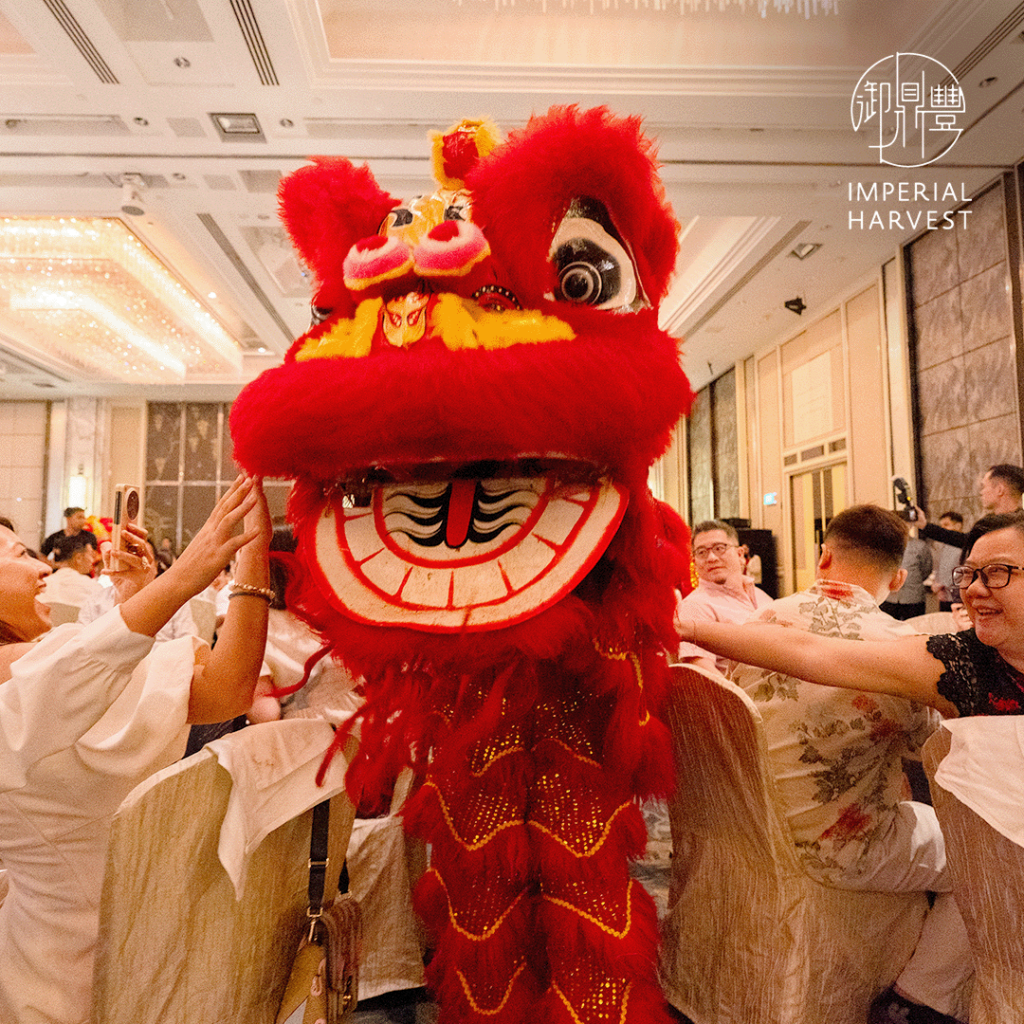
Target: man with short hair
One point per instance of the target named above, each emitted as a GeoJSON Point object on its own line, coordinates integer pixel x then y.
{"type": "Point", "coordinates": [75, 522]}
{"type": "Point", "coordinates": [724, 592]}
{"type": "Point", "coordinates": [71, 581]}
{"type": "Point", "coordinates": [837, 757]}
{"type": "Point", "coordinates": [1000, 489]}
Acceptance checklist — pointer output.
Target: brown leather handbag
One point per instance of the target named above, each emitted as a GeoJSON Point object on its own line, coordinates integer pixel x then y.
{"type": "Point", "coordinates": [324, 982]}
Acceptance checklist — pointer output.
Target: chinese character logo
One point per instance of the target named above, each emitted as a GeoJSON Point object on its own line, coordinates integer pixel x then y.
{"type": "Point", "coordinates": [909, 103]}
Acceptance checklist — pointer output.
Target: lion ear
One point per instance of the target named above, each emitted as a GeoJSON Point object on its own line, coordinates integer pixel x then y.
{"type": "Point", "coordinates": [327, 206]}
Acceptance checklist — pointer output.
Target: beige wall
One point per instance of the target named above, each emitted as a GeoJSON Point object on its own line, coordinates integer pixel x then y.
{"type": "Point", "coordinates": [868, 422]}
{"type": "Point", "coordinates": [23, 430]}
{"type": "Point", "coordinates": [816, 399]}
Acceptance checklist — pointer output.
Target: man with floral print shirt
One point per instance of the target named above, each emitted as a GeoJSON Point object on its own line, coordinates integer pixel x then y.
{"type": "Point", "coordinates": [837, 757]}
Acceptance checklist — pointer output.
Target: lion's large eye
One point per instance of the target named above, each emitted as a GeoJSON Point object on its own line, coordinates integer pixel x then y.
{"type": "Point", "coordinates": [593, 266]}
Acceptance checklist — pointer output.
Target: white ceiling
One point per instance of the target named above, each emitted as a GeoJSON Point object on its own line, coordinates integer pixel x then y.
{"type": "Point", "coordinates": [752, 113]}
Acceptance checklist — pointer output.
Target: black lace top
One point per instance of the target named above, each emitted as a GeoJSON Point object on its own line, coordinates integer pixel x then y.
{"type": "Point", "coordinates": [975, 679]}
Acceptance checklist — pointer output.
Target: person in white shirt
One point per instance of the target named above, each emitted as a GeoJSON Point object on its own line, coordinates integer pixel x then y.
{"type": "Point", "coordinates": [74, 560]}
{"type": "Point", "coordinates": [85, 716]}
{"type": "Point", "coordinates": [180, 624]}
{"type": "Point", "coordinates": [837, 757]}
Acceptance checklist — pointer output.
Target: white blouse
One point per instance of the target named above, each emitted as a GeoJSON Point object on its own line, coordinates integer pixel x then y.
{"type": "Point", "coordinates": [85, 717]}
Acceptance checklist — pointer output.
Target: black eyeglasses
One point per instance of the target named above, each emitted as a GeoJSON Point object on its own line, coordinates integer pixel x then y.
{"type": "Point", "coordinates": [992, 576]}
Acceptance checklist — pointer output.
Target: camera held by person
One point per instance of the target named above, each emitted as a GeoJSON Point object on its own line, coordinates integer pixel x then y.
{"type": "Point", "coordinates": [908, 512]}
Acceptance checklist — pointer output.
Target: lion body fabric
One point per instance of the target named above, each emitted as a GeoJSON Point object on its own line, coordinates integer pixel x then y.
{"type": "Point", "coordinates": [470, 428]}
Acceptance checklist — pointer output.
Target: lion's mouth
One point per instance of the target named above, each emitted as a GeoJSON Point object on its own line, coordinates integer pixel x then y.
{"type": "Point", "coordinates": [464, 548]}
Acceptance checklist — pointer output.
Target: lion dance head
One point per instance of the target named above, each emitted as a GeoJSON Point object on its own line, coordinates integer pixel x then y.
{"type": "Point", "coordinates": [470, 424]}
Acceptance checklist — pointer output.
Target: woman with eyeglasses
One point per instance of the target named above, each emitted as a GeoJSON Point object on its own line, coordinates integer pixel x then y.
{"type": "Point", "coordinates": [89, 711]}
{"type": "Point", "coordinates": [979, 671]}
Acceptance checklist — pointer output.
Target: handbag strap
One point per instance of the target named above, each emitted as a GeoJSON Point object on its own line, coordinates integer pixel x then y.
{"type": "Point", "coordinates": [318, 861]}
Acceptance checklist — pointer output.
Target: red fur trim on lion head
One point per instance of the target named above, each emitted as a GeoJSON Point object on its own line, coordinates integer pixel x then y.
{"type": "Point", "coordinates": [522, 191]}
{"type": "Point", "coordinates": [327, 207]}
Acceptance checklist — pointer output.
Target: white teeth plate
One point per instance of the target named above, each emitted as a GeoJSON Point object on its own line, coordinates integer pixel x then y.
{"type": "Point", "coordinates": [464, 555]}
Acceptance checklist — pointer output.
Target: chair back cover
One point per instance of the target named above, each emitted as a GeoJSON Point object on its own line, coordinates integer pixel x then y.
{"type": "Point", "coordinates": [175, 944]}
{"type": "Point", "coordinates": [750, 938]}
{"type": "Point", "coordinates": [933, 622]}
{"type": "Point", "coordinates": [204, 615]}
{"type": "Point", "coordinates": [988, 883]}
{"type": "Point", "coordinates": [61, 613]}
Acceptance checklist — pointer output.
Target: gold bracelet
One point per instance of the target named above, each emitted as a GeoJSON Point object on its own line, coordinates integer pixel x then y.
{"type": "Point", "coordinates": [247, 590]}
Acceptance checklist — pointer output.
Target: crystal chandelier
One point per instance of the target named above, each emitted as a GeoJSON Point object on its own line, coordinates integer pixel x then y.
{"type": "Point", "coordinates": [85, 292]}
{"type": "Point", "coordinates": [804, 7]}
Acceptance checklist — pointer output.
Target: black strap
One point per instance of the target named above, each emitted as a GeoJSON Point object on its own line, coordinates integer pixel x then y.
{"type": "Point", "coordinates": [318, 856]}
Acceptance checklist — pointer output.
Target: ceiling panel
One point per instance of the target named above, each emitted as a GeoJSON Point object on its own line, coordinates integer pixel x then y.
{"type": "Point", "coordinates": [752, 116]}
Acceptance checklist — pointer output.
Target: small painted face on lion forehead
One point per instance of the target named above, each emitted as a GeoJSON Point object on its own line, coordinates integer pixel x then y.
{"type": "Point", "coordinates": [470, 423]}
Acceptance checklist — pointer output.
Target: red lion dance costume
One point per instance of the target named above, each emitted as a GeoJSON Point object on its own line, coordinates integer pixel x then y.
{"type": "Point", "coordinates": [470, 426]}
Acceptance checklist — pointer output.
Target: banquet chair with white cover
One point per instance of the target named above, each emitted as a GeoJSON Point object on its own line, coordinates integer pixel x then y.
{"type": "Point", "coordinates": [988, 884]}
{"type": "Point", "coordinates": [176, 945]}
{"type": "Point", "coordinates": [933, 623]}
{"type": "Point", "coordinates": [750, 938]}
{"type": "Point", "coordinates": [383, 866]}
{"type": "Point", "coordinates": [204, 615]}
{"type": "Point", "coordinates": [61, 613]}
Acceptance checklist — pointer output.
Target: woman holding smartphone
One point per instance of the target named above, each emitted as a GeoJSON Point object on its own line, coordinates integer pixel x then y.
{"type": "Point", "coordinates": [85, 715]}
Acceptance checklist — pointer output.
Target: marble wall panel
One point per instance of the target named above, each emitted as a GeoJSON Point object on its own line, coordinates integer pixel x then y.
{"type": "Point", "coordinates": [985, 307]}
{"type": "Point", "coordinates": [699, 457]}
{"type": "Point", "coordinates": [202, 442]}
{"type": "Point", "coordinates": [982, 242]}
{"type": "Point", "coordinates": [933, 265]}
{"type": "Point", "coordinates": [995, 440]}
{"type": "Point", "coordinates": [967, 403]}
{"type": "Point", "coordinates": [161, 511]}
{"type": "Point", "coordinates": [188, 477]}
{"type": "Point", "coordinates": [163, 441]}
{"type": "Point", "coordinates": [941, 396]}
{"type": "Point", "coordinates": [228, 467]}
{"type": "Point", "coordinates": [726, 446]}
{"type": "Point", "coordinates": [197, 503]}
{"type": "Point", "coordinates": [945, 470]}
{"type": "Point", "coordinates": [937, 325]}
{"type": "Point", "coordinates": [990, 381]}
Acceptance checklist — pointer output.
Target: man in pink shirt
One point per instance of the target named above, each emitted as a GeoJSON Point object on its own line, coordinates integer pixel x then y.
{"type": "Point", "coordinates": [724, 593]}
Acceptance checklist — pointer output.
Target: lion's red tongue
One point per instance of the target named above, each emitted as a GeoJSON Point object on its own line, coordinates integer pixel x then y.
{"type": "Point", "coordinates": [460, 512]}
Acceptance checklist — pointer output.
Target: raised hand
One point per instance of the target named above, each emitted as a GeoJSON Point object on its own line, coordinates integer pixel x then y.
{"type": "Point", "coordinates": [220, 539]}
{"type": "Point", "coordinates": [226, 532]}
{"type": "Point", "coordinates": [131, 568]}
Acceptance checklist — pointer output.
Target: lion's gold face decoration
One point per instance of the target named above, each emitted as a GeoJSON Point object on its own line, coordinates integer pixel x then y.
{"type": "Point", "coordinates": [469, 425]}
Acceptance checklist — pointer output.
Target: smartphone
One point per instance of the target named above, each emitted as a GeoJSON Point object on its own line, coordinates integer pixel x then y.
{"type": "Point", "coordinates": [126, 510]}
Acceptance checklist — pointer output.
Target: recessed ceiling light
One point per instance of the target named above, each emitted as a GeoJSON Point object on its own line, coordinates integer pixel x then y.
{"type": "Point", "coordinates": [805, 249]}
{"type": "Point", "coordinates": [237, 127]}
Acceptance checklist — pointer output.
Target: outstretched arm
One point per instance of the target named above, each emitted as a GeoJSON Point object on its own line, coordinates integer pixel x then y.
{"type": "Point", "coordinates": [902, 668]}
{"type": "Point", "coordinates": [223, 686]}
